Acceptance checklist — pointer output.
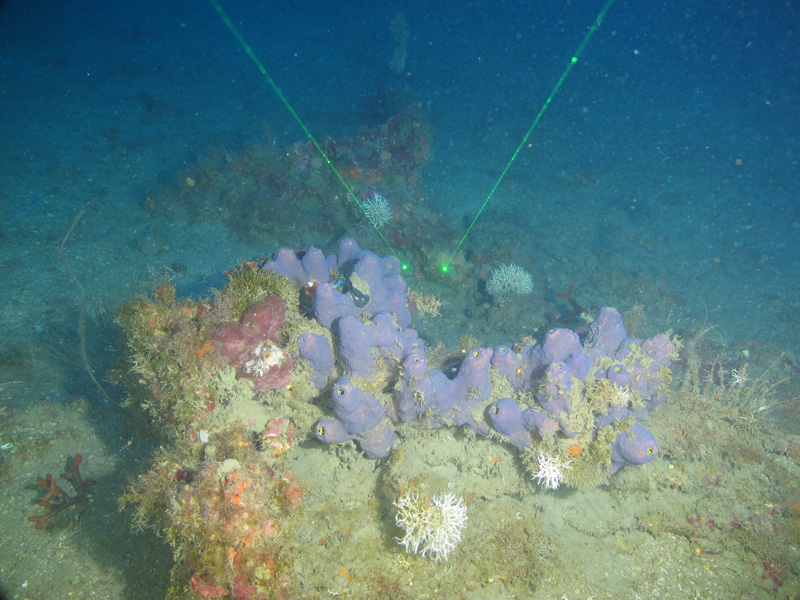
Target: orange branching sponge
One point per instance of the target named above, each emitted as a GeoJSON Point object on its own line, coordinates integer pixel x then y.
{"type": "Point", "coordinates": [55, 499]}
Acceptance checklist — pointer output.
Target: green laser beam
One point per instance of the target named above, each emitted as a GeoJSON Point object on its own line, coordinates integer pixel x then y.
{"type": "Point", "coordinates": [249, 51]}
{"type": "Point", "coordinates": [547, 102]}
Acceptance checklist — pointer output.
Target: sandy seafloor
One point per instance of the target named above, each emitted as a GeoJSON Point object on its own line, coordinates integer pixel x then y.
{"type": "Point", "coordinates": [664, 174]}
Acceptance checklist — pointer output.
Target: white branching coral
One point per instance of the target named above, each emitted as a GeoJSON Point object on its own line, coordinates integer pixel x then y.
{"type": "Point", "coordinates": [377, 210]}
{"type": "Point", "coordinates": [509, 278]}
{"type": "Point", "coordinates": [433, 527]}
{"type": "Point", "coordinates": [551, 471]}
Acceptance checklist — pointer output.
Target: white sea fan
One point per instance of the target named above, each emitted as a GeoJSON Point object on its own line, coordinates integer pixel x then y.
{"type": "Point", "coordinates": [377, 209]}
{"type": "Point", "coordinates": [433, 527]}
{"type": "Point", "coordinates": [509, 278]}
{"type": "Point", "coordinates": [551, 470]}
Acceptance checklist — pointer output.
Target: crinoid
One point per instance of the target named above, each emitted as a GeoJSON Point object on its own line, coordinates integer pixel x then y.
{"type": "Point", "coordinates": [82, 319]}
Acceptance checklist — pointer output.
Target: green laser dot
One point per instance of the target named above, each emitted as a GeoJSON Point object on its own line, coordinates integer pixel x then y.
{"type": "Point", "coordinates": [249, 52]}
{"type": "Point", "coordinates": [572, 62]}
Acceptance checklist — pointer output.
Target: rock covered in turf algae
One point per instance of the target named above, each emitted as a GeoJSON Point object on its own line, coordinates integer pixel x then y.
{"type": "Point", "coordinates": [251, 347]}
{"type": "Point", "coordinates": [361, 298]}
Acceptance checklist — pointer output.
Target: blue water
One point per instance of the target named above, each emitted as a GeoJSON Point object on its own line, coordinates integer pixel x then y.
{"type": "Point", "coordinates": [665, 171]}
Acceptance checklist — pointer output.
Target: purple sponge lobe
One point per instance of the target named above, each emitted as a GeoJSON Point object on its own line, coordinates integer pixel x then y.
{"type": "Point", "coordinates": [317, 352]}
{"type": "Point", "coordinates": [356, 409]}
{"type": "Point", "coordinates": [331, 304]}
{"type": "Point", "coordinates": [377, 442]}
{"type": "Point", "coordinates": [505, 416]}
{"type": "Point", "coordinates": [330, 430]}
{"type": "Point", "coordinates": [634, 448]}
{"type": "Point", "coordinates": [559, 344]}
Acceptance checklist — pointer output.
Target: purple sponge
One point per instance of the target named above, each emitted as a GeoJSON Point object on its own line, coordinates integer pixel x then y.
{"type": "Point", "coordinates": [645, 374]}
{"type": "Point", "coordinates": [505, 415]}
{"type": "Point", "coordinates": [348, 251]}
{"type": "Point", "coordinates": [607, 331]}
{"type": "Point", "coordinates": [365, 309]}
{"type": "Point", "coordinates": [512, 366]}
{"type": "Point", "coordinates": [377, 442]}
{"type": "Point", "coordinates": [579, 364]}
{"type": "Point", "coordinates": [618, 375]}
{"type": "Point", "coordinates": [381, 285]}
{"type": "Point", "coordinates": [540, 422]}
{"type": "Point", "coordinates": [423, 389]}
{"type": "Point", "coordinates": [355, 343]}
{"type": "Point", "coordinates": [471, 387]}
{"type": "Point", "coordinates": [285, 262]}
{"type": "Point", "coordinates": [315, 266]}
{"type": "Point", "coordinates": [331, 430]}
{"type": "Point", "coordinates": [330, 304]}
{"type": "Point", "coordinates": [356, 409]}
{"type": "Point", "coordinates": [317, 352]}
{"type": "Point", "coordinates": [559, 344]}
{"type": "Point", "coordinates": [557, 382]}
{"type": "Point", "coordinates": [312, 268]}
{"type": "Point", "coordinates": [634, 448]}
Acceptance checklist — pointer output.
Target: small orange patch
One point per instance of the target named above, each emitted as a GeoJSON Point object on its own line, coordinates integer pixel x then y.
{"type": "Point", "coordinates": [575, 450]}
{"type": "Point", "coordinates": [206, 347]}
